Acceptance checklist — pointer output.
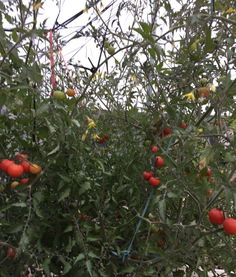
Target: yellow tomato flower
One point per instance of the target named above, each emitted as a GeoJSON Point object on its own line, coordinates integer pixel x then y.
{"type": "Point", "coordinates": [38, 5]}
{"type": "Point", "coordinates": [230, 10]}
{"type": "Point", "coordinates": [92, 124]}
{"type": "Point", "coordinates": [190, 95]}
{"type": "Point", "coordinates": [133, 77]}
{"type": "Point", "coordinates": [95, 136]}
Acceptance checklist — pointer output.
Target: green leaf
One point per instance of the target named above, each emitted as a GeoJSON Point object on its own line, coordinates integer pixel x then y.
{"type": "Point", "coordinates": [146, 27]}
{"type": "Point", "coordinates": [80, 257]}
{"type": "Point", "coordinates": [3, 98]}
{"type": "Point", "coordinates": [75, 122]}
{"type": "Point", "coordinates": [209, 43]}
{"type": "Point", "coordinates": [94, 238]}
{"type": "Point", "coordinates": [45, 265]}
{"type": "Point", "coordinates": [14, 228]}
{"type": "Point", "coordinates": [56, 149]}
{"type": "Point", "coordinates": [42, 109]}
{"type": "Point", "coordinates": [19, 204]}
{"type": "Point", "coordinates": [84, 187]}
{"type": "Point", "coordinates": [162, 209]}
{"type": "Point", "coordinates": [64, 194]}
{"type": "Point", "coordinates": [52, 130]}
{"type": "Point", "coordinates": [93, 255]}
{"type": "Point", "coordinates": [89, 267]}
{"type": "Point", "coordinates": [69, 228]}
{"type": "Point", "coordinates": [67, 266]}
{"type": "Point", "coordinates": [24, 241]}
{"type": "Point", "coordinates": [128, 269]}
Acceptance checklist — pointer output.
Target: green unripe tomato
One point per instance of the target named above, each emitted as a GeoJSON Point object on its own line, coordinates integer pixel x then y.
{"type": "Point", "coordinates": [147, 142]}
{"type": "Point", "coordinates": [111, 50]}
{"type": "Point", "coordinates": [60, 95]}
{"type": "Point", "coordinates": [203, 82]}
{"type": "Point", "coordinates": [106, 44]}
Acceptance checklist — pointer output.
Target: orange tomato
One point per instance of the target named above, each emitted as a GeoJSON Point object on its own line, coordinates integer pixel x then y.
{"type": "Point", "coordinates": [209, 192]}
{"type": "Point", "coordinates": [70, 92]}
{"type": "Point", "coordinates": [204, 91]}
{"type": "Point", "coordinates": [35, 169]}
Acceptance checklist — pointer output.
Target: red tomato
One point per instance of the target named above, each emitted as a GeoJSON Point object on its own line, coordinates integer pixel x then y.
{"type": "Point", "coordinates": [147, 175]}
{"type": "Point", "coordinates": [166, 131]}
{"type": "Point", "coordinates": [183, 125]}
{"type": "Point", "coordinates": [154, 148]}
{"type": "Point", "coordinates": [11, 253]}
{"type": "Point", "coordinates": [4, 164]}
{"type": "Point", "coordinates": [230, 226]}
{"type": "Point", "coordinates": [154, 182]}
{"type": "Point", "coordinates": [161, 243]}
{"type": "Point", "coordinates": [216, 216]}
{"type": "Point", "coordinates": [24, 181]}
{"type": "Point", "coordinates": [101, 140]}
{"type": "Point", "coordinates": [15, 170]}
{"type": "Point", "coordinates": [208, 173]}
{"type": "Point", "coordinates": [83, 216]}
{"type": "Point", "coordinates": [26, 166]}
{"type": "Point", "coordinates": [159, 161]}
{"type": "Point", "coordinates": [21, 157]}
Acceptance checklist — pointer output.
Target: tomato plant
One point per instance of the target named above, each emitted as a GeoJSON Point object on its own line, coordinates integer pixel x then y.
{"type": "Point", "coordinates": [80, 200]}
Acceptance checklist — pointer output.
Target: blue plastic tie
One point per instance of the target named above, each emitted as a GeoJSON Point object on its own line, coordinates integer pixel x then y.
{"type": "Point", "coordinates": [127, 252]}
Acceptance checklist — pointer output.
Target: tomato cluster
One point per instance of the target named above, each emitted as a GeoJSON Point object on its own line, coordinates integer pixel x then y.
{"type": "Point", "coordinates": [102, 139]}
{"type": "Point", "coordinates": [149, 175]}
{"type": "Point", "coordinates": [217, 217]}
{"type": "Point", "coordinates": [18, 167]}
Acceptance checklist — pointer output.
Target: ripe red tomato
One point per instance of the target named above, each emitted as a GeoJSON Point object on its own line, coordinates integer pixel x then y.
{"type": "Point", "coordinates": [159, 161]}
{"type": "Point", "coordinates": [167, 131]}
{"type": "Point", "coordinates": [147, 175]}
{"type": "Point", "coordinates": [26, 166]}
{"type": "Point", "coordinates": [154, 148]}
{"type": "Point", "coordinates": [4, 164]}
{"type": "Point", "coordinates": [208, 173]}
{"type": "Point", "coordinates": [24, 181]}
{"type": "Point", "coordinates": [15, 170]}
{"type": "Point", "coordinates": [11, 253]}
{"type": "Point", "coordinates": [84, 216]}
{"type": "Point", "coordinates": [183, 125]}
{"type": "Point", "coordinates": [21, 157]}
{"type": "Point", "coordinates": [161, 243]}
{"type": "Point", "coordinates": [230, 226]}
{"type": "Point", "coordinates": [216, 216]}
{"type": "Point", "coordinates": [154, 182]}
{"type": "Point", "coordinates": [101, 140]}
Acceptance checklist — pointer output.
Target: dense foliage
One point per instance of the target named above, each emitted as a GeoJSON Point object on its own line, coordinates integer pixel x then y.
{"type": "Point", "coordinates": [90, 211]}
